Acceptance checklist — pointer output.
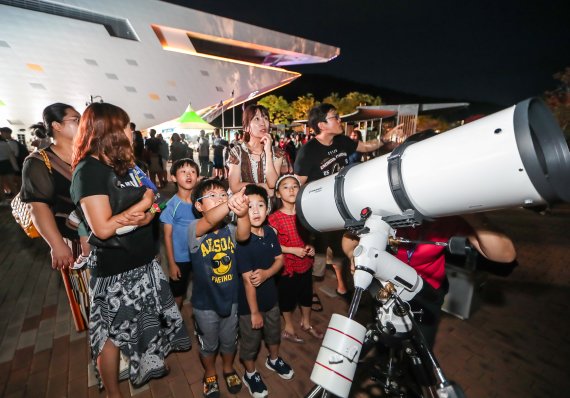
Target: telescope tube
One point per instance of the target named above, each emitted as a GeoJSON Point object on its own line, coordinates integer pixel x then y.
{"type": "Point", "coordinates": [515, 157]}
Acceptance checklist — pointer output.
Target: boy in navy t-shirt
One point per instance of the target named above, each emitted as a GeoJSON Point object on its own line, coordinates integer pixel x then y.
{"type": "Point", "coordinates": [214, 294]}
{"type": "Point", "coordinates": [259, 260]}
{"type": "Point", "coordinates": [176, 218]}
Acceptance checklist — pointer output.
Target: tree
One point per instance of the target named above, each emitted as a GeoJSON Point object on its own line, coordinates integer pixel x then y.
{"type": "Point", "coordinates": [428, 122]}
{"type": "Point", "coordinates": [349, 102]}
{"type": "Point", "coordinates": [302, 105]}
{"type": "Point", "coordinates": [333, 99]}
{"type": "Point", "coordinates": [559, 100]}
{"type": "Point", "coordinates": [280, 112]}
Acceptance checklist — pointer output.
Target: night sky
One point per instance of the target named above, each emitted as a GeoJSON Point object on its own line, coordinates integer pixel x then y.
{"type": "Point", "coordinates": [498, 51]}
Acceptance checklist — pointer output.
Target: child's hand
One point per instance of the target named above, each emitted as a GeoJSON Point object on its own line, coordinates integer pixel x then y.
{"type": "Point", "coordinates": [256, 320]}
{"type": "Point", "coordinates": [239, 203]}
{"type": "Point", "coordinates": [148, 197]}
{"type": "Point", "coordinates": [299, 251]}
{"type": "Point", "coordinates": [257, 277]}
{"type": "Point", "coordinates": [174, 272]}
{"type": "Point", "coordinates": [310, 250]}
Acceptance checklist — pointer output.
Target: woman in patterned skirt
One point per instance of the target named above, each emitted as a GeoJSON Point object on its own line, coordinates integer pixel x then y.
{"type": "Point", "coordinates": [132, 309]}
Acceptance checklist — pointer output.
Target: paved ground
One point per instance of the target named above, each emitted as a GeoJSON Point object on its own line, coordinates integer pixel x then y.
{"type": "Point", "coordinates": [516, 344]}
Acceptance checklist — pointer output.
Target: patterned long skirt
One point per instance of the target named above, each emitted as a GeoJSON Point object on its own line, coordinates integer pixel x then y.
{"type": "Point", "coordinates": [137, 312]}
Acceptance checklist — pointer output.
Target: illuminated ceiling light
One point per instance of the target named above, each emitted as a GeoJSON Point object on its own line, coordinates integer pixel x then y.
{"type": "Point", "coordinates": [35, 67]}
{"type": "Point", "coordinates": [154, 96]}
{"type": "Point", "coordinates": [178, 40]}
{"type": "Point", "coordinates": [2, 103]}
{"type": "Point", "coordinates": [252, 94]}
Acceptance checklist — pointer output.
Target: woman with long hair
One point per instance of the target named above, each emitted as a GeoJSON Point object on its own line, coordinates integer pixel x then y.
{"type": "Point", "coordinates": [47, 191]}
{"type": "Point", "coordinates": [132, 309]}
{"type": "Point", "coordinates": [256, 160]}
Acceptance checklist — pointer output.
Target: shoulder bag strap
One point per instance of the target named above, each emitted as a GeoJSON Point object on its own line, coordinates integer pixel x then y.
{"type": "Point", "coordinates": [43, 156]}
{"type": "Point", "coordinates": [59, 165]}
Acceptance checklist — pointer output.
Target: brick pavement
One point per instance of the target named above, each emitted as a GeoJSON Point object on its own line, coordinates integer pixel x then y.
{"type": "Point", "coordinates": [515, 345]}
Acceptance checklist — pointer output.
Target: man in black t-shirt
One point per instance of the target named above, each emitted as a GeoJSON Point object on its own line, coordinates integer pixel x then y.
{"type": "Point", "coordinates": [323, 156]}
{"type": "Point", "coordinates": [328, 153]}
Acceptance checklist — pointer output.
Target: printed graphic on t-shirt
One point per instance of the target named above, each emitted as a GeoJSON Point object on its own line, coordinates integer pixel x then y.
{"type": "Point", "coordinates": [333, 162]}
{"type": "Point", "coordinates": [219, 250]}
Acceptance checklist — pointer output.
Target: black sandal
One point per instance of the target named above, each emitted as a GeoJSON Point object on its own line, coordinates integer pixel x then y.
{"type": "Point", "coordinates": [316, 305]}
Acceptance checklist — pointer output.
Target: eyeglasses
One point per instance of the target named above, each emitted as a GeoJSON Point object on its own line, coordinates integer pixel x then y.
{"type": "Point", "coordinates": [213, 195]}
{"type": "Point", "coordinates": [337, 117]}
{"type": "Point", "coordinates": [71, 119]}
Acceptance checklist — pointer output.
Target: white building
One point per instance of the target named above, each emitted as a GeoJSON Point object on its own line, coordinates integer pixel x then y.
{"type": "Point", "coordinates": [149, 57]}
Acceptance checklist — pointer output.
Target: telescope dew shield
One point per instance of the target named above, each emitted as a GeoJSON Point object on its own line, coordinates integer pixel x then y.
{"type": "Point", "coordinates": [337, 359]}
{"type": "Point", "coordinates": [515, 157]}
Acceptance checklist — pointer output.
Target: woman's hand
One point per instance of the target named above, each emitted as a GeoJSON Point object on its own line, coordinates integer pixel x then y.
{"type": "Point", "coordinates": [310, 250]}
{"type": "Point", "coordinates": [266, 140]}
{"type": "Point", "coordinates": [136, 218]}
{"type": "Point", "coordinates": [61, 256]}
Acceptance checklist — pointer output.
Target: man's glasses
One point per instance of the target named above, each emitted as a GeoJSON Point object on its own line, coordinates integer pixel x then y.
{"type": "Point", "coordinates": [213, 195]}
{"type": "Point", "coordinates": [337, 117]}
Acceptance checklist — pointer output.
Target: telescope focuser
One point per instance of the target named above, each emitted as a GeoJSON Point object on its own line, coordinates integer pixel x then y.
{"type": "Point", "coordinates": [455, 245]}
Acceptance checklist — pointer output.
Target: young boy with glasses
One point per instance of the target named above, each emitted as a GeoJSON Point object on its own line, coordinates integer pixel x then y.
{"type": "Point", "coordinates": [212, 243]}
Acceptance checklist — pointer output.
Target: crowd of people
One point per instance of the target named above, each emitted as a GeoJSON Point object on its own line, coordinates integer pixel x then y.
{"type": "Point", "coordinates": [230, 227]}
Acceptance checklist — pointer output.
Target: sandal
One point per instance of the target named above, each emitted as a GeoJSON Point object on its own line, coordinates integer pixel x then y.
{"type": "Point", "coordinates": [291, 337]}
{"type": "Point", "coordinates": [233, 382]}
{"type": "Point", "coordinates": [313, 332]}
{"type": "Point", "coordinates": [316, 305]}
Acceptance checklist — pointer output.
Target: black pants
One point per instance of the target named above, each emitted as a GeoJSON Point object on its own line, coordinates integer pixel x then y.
{"type": "Point", "coordinates": [430, 301]}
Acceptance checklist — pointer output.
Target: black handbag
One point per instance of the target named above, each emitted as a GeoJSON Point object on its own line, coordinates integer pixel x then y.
{"type": "Point", "coordinates": [121, 198]}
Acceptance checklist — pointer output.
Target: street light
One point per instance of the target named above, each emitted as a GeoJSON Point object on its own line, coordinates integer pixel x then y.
{"type": "Point", "coordinates": [94, 98]}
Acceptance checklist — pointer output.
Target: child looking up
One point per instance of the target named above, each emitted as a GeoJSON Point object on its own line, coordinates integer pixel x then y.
{"type": "Point", "coordinates": [214, 296]}
{"type": "Point", "coordinates": [259, 259]}
{"type": "Point", "coordinates": [295, 284]}
{"type": "Point", "coordinates": [176, 218]}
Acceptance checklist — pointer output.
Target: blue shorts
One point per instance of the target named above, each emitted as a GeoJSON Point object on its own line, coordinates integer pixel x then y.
{"type": "Point", "coordinates": [214, 331]}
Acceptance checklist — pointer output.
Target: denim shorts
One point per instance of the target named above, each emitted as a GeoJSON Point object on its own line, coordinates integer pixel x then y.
{"type": "Point", "coordinates": [214, 331]}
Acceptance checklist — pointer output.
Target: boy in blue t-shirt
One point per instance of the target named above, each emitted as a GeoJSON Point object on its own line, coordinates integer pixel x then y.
{"type": "Point", "coordinates": [214, 294]}
{"type": "Point", "coordinates": [176, 218]}
{"type": "Point", "coordinates": [259, 260]}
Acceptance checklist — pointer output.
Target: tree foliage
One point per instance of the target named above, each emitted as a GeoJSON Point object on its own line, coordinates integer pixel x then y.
{"type": "Point", "coordinates": [280, 112]}
{"type": "Point", "coordinates": [426, 122]}
{"type": "Point", "coordinates": [302, 105]}
{"type": "Point", "coordinates": [559, 100]}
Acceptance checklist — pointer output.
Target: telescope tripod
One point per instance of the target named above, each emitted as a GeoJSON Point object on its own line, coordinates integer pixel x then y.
{"type": "Point", "coordinates": [405, 366]}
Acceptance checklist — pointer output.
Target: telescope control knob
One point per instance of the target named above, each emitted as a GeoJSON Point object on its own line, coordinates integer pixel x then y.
{"type": "Point", "coordinates": [365, 213]}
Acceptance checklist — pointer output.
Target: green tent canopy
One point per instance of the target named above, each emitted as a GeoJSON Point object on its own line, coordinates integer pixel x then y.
{"type": "Point", "coordinates": [191, 120]}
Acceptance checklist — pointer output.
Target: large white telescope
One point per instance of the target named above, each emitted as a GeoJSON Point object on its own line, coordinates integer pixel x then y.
{"type": "Point", "coordinates": [515, 157]}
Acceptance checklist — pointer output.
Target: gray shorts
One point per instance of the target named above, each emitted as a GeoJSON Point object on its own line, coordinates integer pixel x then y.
{"type": "Point", "coordinates": [251, 338]}
{"type": "Point", "coordinates": [214, 331]}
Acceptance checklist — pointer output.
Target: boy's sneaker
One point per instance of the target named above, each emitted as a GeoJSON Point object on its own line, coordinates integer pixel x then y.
{"type": "Point", "coordinates": [255, 385]}
{"type": "Point", "coordinates": [283, 370]}
{"type": "Point", "coordinates": [211, 387]}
